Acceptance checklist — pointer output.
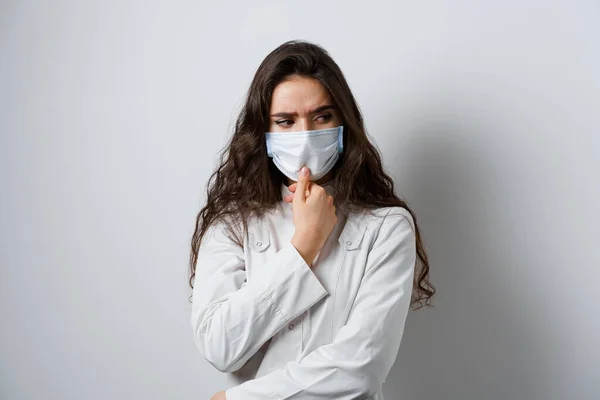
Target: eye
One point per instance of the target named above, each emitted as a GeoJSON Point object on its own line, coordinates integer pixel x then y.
{"type": "Point", "coordinates": [325, 117]}
{"type": "Point", "coordinates": [284, 122]}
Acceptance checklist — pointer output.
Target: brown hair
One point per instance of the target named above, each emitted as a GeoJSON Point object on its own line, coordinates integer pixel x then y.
{"type": "Point", "coordinates": [247, 182]}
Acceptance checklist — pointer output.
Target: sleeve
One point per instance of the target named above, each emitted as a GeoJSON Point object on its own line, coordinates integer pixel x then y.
{"type": "Point", "coordinates": [232, 318]}
{"type": "Point", "coordinates": [357, 362]}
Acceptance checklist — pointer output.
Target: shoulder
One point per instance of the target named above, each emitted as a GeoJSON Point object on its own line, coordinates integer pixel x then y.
{"type": "Point", "coordinates": [376, 218]}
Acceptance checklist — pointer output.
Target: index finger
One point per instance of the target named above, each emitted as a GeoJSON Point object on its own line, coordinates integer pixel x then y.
{"type": "Point", "coordinates": [301, 185]}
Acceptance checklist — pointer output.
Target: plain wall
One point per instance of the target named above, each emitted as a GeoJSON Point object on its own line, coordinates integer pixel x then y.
{"type": "Point", "coordinates": [113, 113]}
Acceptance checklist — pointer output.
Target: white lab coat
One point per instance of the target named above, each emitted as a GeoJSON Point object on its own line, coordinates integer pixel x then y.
{"type": "Point", "coordinates": [282, 330]}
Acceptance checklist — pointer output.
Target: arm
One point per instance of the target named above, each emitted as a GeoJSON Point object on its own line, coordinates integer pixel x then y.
{"type": "Point", "coordinates": [233, 318]}
{"type": "Point", "coordinates": [357, 362]}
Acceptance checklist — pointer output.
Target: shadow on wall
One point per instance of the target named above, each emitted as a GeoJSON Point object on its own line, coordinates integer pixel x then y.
{"type": "Point", "coordinates": [479, 341]}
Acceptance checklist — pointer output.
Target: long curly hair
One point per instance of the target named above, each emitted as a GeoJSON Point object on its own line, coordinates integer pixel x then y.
{"type": "Point", "coordinates": [247, 183]}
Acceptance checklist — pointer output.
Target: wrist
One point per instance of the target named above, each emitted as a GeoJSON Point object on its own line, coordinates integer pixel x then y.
{"type": "Point", "coordinates": [306, 246]}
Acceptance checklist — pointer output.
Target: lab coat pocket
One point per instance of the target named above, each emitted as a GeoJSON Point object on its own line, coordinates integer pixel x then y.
{"type": "Point", "coordinates": [259, 239]}
{"type": "Point", "coordinates": [255, 251]}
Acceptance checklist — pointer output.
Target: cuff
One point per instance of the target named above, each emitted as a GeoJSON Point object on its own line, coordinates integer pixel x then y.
{"type": "Point", "coordinates": [289, 284]}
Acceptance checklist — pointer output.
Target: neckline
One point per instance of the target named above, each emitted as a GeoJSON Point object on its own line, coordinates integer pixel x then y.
{"type": "Point", "coordinates": [328, 186]}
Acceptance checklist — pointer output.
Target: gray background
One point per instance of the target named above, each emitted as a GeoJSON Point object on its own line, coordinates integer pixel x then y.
{"type": "Point", "coordinates": [112, 113]}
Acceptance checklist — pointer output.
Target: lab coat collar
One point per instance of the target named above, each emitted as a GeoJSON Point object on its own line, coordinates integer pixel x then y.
{"type": "Point", "coordinates": [354, 228]}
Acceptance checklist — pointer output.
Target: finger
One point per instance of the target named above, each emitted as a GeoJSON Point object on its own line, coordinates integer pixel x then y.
{"type": "Point", "coordinates": [314, 190]}
{"type": "Point", "coordinates": [292, 187]}
{"type": "Point", "coordinates": [308, 189]}
{"type": "Point", "coordinates": [317, 188]}
{"type": "Point", "coordinates": [289, 198]}
{"type": "Point", "coordinates": [301, 186]}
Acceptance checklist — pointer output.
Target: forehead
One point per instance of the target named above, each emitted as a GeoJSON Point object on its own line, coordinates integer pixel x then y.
{"type": "Point", "coordinates": [299, 94]}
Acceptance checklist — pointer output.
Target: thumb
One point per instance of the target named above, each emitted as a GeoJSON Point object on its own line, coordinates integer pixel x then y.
{"type": "Point", "coordinates": [300, 193]}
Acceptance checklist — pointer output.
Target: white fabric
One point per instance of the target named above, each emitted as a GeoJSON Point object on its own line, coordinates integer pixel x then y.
{"type": "Point", "coordinates": [282, 330]}
{"type": "Point", "coordinates": [319, 150]}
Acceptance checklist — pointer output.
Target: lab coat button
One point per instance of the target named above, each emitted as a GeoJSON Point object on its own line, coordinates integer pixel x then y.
{"type": "Point", "coordinates": [348, 243]}
{"type": "Point", "coordinates": [291, 326]}
{"type": "Point", "coordinates": [259, 244]}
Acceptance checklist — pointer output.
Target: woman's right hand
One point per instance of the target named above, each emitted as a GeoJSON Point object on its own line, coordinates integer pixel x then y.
{"type": "Point", "coordinates": [314, 217]}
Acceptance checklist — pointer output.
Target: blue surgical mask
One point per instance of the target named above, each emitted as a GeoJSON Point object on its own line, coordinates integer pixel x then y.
{"type": "Point", "coordinates": [319, 150]}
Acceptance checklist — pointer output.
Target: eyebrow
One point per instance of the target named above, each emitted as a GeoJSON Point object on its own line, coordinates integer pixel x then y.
{"type": "Point", "coordinates": [316, 110]}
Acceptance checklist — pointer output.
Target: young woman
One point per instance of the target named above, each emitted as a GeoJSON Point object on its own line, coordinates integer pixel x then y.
{"type": "Point", "coordinates": [304, 261]}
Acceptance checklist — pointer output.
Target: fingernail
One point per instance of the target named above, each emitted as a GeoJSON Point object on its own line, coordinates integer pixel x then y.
{"type": "Point", "coordinates": [304, 171]}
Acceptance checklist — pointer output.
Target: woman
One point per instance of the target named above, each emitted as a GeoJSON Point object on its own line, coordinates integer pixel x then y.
{"type": "Point", "coordinates": [303, 259]}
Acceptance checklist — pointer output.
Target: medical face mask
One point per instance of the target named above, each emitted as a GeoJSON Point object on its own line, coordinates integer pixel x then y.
{"type": "Point", "coordinates": [319, 150]}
